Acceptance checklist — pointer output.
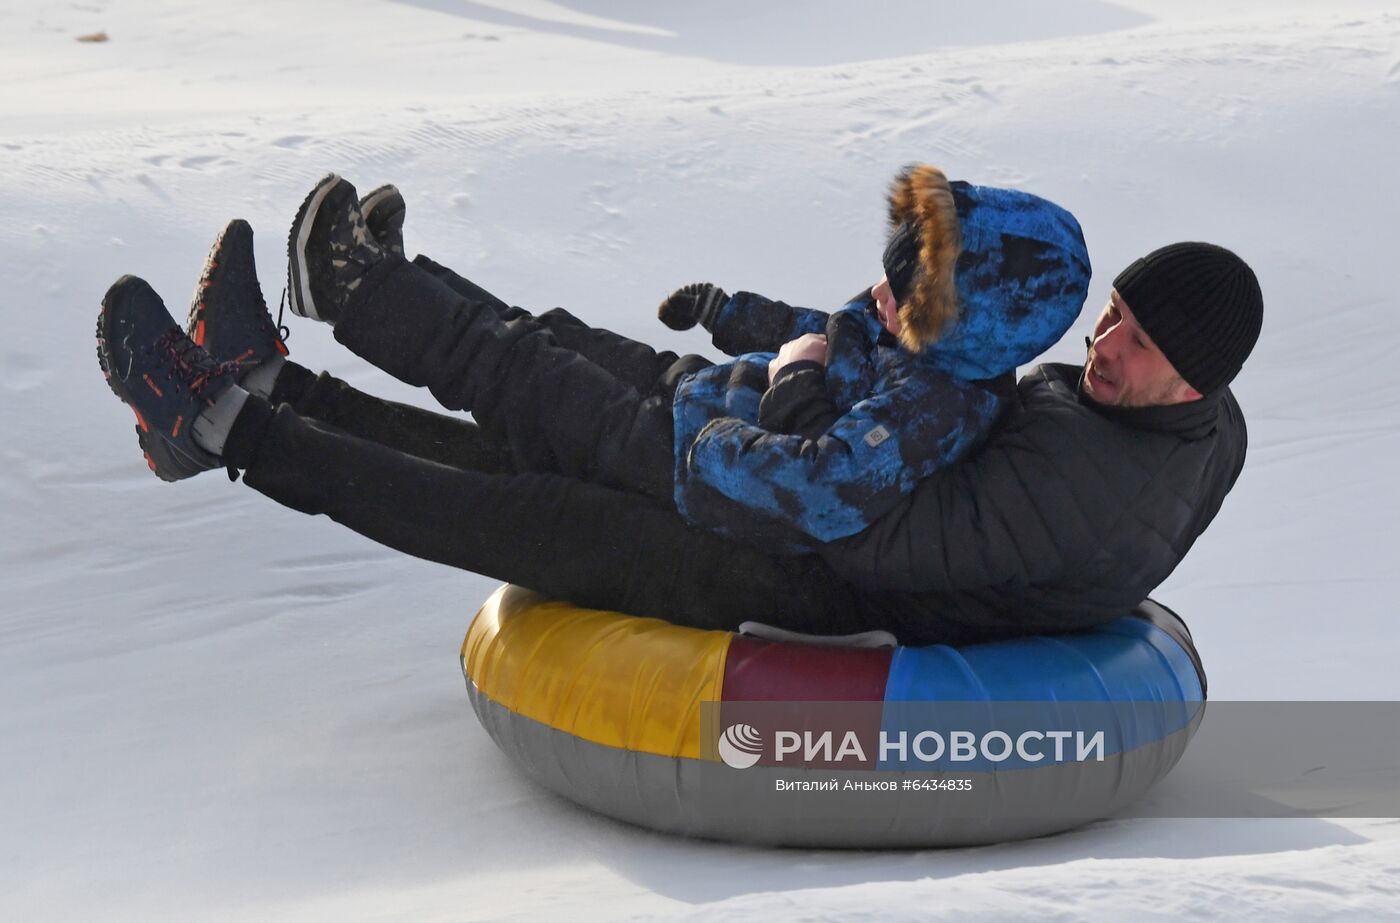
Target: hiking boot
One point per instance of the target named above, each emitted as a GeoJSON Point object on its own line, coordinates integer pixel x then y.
{"type": "Point", "coordinates": [383, 210]}
{"type": "Point", "coordinates": [159, 372]}
{"type": "Point", "coordinates": [329, 250]}
{"type": "Point", "coordinates": [228, 316]}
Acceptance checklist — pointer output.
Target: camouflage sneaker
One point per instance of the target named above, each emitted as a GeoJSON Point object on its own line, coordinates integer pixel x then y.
{"type": "Point", "coordinates": [329, 250]}
{"type": "Point", "coordinates": [384, 213]}
{"type": "Point", "coordinates": [228, 316]}
{"type": "Point", "coordinates": [157, 370]}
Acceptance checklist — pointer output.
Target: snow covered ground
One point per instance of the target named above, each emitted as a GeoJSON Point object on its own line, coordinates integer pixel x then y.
{"type": "Point", "coordinates": [214, 708]}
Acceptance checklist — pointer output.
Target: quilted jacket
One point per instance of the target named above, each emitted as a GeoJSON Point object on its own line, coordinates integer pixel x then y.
{"type": "Point", "coordinates": [1068, 516]}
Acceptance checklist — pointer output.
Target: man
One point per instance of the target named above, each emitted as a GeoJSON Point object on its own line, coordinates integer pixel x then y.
{"type": "Point", "coordinates": [1079, 503]}
{"type": "Point", "coordinates": [1098, 479]}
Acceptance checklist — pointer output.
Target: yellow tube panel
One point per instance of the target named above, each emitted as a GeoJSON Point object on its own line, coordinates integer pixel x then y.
{"type": "Point", "coordinates": [613, 679]}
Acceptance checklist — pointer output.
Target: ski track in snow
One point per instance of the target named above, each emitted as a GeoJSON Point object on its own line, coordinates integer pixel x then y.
{"type": "Point", "coordinates": [216, 708]}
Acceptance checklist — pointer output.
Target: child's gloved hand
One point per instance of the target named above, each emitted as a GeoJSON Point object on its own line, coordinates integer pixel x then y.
{"type": "Point", "coordinates": [696, 303]}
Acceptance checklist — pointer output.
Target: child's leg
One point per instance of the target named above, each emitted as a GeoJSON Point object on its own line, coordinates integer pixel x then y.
{"type": "Point", "coordinates": [593, 546]}
{"type": "Point", "coordinates": [558, 411]}
{"type": "Point", "coordinates": [466, 288]}
{"type": "Point", "coordinates": [627, 360]}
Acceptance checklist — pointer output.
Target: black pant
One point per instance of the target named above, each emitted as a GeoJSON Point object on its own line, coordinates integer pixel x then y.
{"type": "Point", "coordinates": [633, 363]}
{"type": "Point", "coordinates": [566, 398]}
{"type": "Point", "coordinates": [440, 488]}
{"type": "Point", "coordinates": [447, 490]}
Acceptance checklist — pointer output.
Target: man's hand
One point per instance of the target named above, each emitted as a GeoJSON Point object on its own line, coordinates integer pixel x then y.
{"type": "Point", "coordinates": [810, 347]}
{"type": "Point", "coordinates": [696, 303]}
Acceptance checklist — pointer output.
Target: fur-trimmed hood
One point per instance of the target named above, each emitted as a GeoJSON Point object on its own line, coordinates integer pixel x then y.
{"type": "Point", "coordinates": [1002, 273]}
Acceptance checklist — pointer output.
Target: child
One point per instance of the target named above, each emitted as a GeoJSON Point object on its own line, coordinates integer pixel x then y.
{"type": "Point", "coordinates": [984, 279]}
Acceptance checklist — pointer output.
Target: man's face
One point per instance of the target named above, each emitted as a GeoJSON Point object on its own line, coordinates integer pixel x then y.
{"type": "Point", "coordinates": [1125, 368]}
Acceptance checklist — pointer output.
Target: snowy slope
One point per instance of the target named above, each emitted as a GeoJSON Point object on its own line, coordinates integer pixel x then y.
{"type": "Point", "coordinates": [215, 708]}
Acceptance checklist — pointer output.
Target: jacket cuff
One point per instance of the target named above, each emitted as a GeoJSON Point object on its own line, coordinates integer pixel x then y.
{"type": "Point", "coordinates": [797, 404]}
{"type": "Point", "coordinates": [802, 365]}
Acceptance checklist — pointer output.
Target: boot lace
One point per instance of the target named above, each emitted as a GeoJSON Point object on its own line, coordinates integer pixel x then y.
{"type": "Point", "coordinates": [191, 365]}
{"type": "Point", "coordinates": [282, 332]}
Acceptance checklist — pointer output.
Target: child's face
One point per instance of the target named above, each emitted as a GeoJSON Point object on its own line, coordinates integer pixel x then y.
{"type": "Point", "coordinates": [885, 308]}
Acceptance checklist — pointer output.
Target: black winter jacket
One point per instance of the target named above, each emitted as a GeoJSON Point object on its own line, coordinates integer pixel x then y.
{"type": "Point", "coordinates": [1069, 515]}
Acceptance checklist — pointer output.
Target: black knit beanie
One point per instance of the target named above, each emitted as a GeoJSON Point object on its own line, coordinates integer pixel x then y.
{"type": "Point", "coordinates": [1201, 305]}
{"type": "Point", "coordinates": [901, 260]}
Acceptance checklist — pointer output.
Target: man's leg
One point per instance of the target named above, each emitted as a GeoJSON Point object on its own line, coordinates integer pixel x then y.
{"type": "Point", "coordinates": [571, 539]}
{"type": "Point", "coordinates": [627, 360]}
{"type": "Point", "coordinates": [432, 436]}
{"type": "Point", "coordinates": [591, 545]}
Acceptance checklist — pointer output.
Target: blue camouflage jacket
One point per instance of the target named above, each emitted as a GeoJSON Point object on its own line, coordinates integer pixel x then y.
{"type": "Point", "coordinates": [825, 452]}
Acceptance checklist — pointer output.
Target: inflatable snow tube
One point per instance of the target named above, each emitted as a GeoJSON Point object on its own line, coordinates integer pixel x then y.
{"type": "Point", "coordinates": [808, 743]}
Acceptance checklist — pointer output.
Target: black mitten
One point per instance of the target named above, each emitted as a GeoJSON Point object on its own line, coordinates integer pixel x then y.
{"type": "Point", "coordinates": [696, 303]}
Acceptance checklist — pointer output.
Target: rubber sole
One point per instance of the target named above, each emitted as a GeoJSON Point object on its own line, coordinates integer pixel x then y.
{"type": "Point", "coordinates": [299, 277]}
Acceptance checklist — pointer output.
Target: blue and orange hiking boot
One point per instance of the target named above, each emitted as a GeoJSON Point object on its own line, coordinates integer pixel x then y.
{"type": "Point", "coordinates": [228, 316]}
{"type": "Point", "coordinates": [329, 250]}
{"type": "Point", "coordinates": [159, 372]}
{"type": "Point", "coordinates": [383, 209]}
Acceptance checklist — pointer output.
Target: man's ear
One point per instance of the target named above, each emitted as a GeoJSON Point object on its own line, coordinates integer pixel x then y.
{"type": "Point", "coordinates": [1188, 393]}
